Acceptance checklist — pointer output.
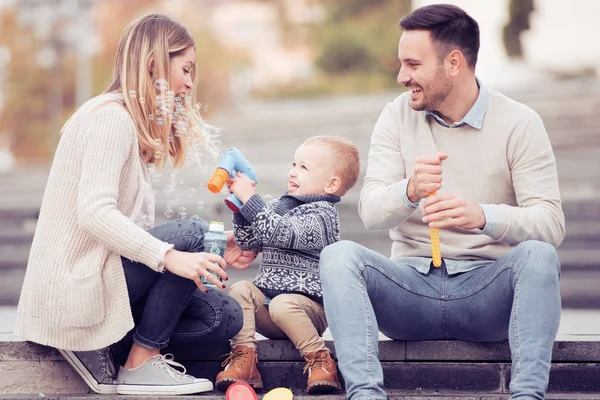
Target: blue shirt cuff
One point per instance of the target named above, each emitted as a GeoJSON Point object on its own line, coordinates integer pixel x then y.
{"type": "Point", "coordinates": [491, 218]}
{"type": "Point", "coordinates": [403, 186]}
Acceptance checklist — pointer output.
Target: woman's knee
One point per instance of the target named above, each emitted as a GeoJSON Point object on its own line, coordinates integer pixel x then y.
{"type": "Point", "coordinates": [186, 234]}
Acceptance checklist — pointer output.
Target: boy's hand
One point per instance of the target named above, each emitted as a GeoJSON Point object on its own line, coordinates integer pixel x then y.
{"type": "Point", "coordinates": [235, 256]}
{"type": "Point", "coordinates": [242, 187]}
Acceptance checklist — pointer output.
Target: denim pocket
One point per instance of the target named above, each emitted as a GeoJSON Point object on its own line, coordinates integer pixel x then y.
{"type": "Point", "coordinates": [83, 300]}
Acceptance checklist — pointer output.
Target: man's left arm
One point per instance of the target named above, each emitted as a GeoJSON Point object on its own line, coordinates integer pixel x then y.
{"type": "Point", "coordinates": [539, 215]}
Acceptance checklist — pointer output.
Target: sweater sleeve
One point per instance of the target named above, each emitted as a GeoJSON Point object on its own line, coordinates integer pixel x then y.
{"type": "Point", "coordinates": [107, 144]}
{"type": "Point", "coordinates": [311, 228]}
{"type": "Point", "coordinates": [244, 234]}
{"type": "Point", "coordinates": [382, 204]}
{"type": "Point", "coordinates": [538, 214]}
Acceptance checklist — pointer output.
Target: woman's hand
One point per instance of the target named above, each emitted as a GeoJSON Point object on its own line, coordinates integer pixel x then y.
{"type": "Point", "coordinates": [194, 266]}
{"type": "Point", "coordinates": [235, 256]}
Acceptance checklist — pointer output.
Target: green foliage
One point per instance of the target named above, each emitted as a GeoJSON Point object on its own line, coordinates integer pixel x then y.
{"type": "Point", "coordinates": [356, 48]}
{"type": "Point", "coordinates": [344, 51]}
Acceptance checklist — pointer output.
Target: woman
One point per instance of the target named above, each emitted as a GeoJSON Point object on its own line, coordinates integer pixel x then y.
{"type": "Point", "coordinates": [98, 273]}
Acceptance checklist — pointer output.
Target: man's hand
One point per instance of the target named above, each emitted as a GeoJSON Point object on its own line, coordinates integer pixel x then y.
{"type": "Point", "coordinates": [427, 177]}
{"type": "Point", "coordinates": [242, 187]}
{"type": "Point", "coordinates": [448, 210]}
{"type": "Point", "coordinates": [235, 256]}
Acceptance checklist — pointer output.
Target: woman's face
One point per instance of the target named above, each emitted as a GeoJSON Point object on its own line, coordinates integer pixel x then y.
{"type": "Point", "coordinates": [182, 70]}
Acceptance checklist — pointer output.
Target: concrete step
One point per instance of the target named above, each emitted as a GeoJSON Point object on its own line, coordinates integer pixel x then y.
{"type": "Point", "coordinates": [391, 395]}
{"type": "Point", "coordinates": [416, 368]}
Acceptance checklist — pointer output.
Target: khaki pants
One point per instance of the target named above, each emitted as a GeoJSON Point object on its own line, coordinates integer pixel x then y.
{"type": "Point", "coordinates": [292, 316]}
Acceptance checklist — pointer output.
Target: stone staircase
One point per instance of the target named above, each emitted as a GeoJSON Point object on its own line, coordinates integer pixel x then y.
{"type": "Point", "coordinates": [413, 370]}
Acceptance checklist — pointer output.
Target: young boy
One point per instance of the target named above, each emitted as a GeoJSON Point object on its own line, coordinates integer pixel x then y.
{"type": "Point", "coordinates": [285, 298]}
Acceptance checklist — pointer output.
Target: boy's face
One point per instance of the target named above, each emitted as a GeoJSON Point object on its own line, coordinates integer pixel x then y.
{"type": "Point", "coordinates": [312, 171]}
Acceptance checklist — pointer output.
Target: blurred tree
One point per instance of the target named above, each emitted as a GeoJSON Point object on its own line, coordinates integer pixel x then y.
{"type": "Point", "coordinates": [40, 79]}
{"type": "Point", "coordinates": [356, 46]}
{"type": "Point", "coordinates": [30, 89]}
{"type": "Point", "coordinates": [519, 13]}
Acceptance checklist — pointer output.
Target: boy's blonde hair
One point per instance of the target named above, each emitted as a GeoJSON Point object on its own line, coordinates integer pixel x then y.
{"type": "Point", "coordinates": [346, 159]}
{"type": "Point", "coordinates": [153, 39]}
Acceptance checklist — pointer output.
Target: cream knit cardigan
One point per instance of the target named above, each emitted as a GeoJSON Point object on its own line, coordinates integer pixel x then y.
{"type": "Point", "coordinates": [74, 295]}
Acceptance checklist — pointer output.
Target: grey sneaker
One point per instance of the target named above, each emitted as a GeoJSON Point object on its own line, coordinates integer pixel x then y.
{"type": "Point", "coordinates": [159, 376]}
{"type": "Point", "coordinates": [96, 367]}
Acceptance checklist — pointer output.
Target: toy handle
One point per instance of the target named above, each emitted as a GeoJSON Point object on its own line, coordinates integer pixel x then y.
{"type": "Point", "coordinates": [436, 253]}
{"type": "Point", "coordinates": [233, 203]}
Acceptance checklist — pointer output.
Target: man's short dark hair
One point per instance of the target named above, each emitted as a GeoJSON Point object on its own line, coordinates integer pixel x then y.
{"type": "Point", "coordinates": [450, 28]}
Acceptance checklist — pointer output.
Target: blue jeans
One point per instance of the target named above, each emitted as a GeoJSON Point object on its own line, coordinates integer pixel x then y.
{"type": "Point", "coordinates": [170, 312]}
{"type": "Point", "coordinates": [515, 297]}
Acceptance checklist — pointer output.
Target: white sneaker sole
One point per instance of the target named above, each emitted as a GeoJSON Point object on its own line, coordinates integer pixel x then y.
{"type": "Point", "coordinates": [166, 390]}
{"type": "Point", "coordinates": [99, 388]}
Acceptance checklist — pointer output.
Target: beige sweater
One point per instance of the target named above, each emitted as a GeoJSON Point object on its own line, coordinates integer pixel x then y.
{"type": "Point", "coordinates": [508, 164]}
{"type": "Point", "coordinates": [74, 295]}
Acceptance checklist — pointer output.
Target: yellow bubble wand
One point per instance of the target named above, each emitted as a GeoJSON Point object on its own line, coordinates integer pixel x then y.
{"type": "Point", "coordinates": [436, 253]}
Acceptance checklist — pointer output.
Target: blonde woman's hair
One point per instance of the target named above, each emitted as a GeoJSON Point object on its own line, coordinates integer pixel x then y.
{"type": "Point", "coordinates": [153, 40]}
{"type": "Point", "coordinates": [346, 159]}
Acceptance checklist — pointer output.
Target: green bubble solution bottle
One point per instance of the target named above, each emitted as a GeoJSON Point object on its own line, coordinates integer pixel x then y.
{"type": "Point", "coordinates": [215, 242]}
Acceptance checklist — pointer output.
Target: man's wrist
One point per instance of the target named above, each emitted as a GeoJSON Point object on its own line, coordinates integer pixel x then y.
{"type": "Point", "coordinates": [411, 192]}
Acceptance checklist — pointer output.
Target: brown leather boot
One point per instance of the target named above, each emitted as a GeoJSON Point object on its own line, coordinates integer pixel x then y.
{"type": "Point", "coordinates": [322, 373]}
{"type": "Point", "coordinates": [240, 366]}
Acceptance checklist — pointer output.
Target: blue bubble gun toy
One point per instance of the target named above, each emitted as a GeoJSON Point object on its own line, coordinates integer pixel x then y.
{"type": "Point", "coordinates": [233, 161]}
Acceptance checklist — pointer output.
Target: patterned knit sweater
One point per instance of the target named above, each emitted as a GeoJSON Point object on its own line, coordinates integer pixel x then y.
{"type": "Point", "coordinates": [291, 232]}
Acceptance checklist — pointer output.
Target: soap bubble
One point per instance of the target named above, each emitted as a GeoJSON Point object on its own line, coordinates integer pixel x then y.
{"type": "Point", "coordinates": [161, 84]}
{"type": "Point", "coordinates": [157, 177]}
{"type": "Point", "coordinates": [157, 154]}
{"type": "Point", "coordinates": [201, 205]}
{"type": "Point", "coordinates": [182, 212]}
{"type": "Point", "coordinates": [132, 94]}
{"type": "Point", "coordinates": [192, 192]}
{"type": "Point", "coordinates": [267, 198]}
{"type": "Point", "coordinates": [168, 212]}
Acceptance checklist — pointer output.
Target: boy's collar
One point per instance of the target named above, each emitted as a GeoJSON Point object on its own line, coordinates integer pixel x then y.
{"type": "Point", "coordinates": [314, 197]}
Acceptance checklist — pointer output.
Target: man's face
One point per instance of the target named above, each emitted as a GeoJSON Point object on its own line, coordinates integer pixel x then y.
{"type": "Point", "coordinates": [422, 71]}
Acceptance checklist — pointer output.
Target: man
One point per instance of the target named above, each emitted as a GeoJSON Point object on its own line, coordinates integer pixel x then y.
{"type": "Point", "coordinates": [497, 207]}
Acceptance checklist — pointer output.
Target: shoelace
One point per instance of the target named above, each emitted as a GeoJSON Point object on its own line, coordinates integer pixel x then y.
{"type": "Point", "coordinates": [234, 357]}
{"type": "Point", "coordinates": [106, 360]}
{"type": "Point", "coordinates": [314, 364]}
{"type": "Point", "coordinates": [166, 361]}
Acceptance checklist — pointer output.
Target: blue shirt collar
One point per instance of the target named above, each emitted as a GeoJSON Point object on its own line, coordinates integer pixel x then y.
{"type": "Point", "coordinates": [475, 115]}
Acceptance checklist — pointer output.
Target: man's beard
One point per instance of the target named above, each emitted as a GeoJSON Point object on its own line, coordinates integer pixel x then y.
{"type": "Point", "coordinates": [435, 93]}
